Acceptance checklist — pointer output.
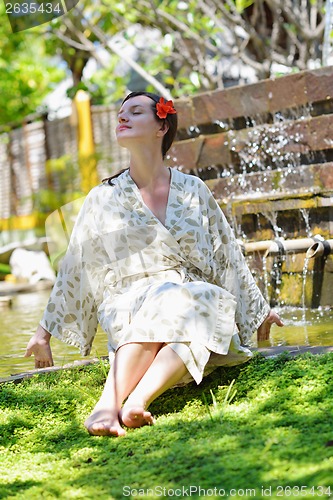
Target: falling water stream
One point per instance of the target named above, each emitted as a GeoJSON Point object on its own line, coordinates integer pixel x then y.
{"type": "Point", "coordinates": [18, 323]}
{"type": "Point", "coordinates": [304, 276]}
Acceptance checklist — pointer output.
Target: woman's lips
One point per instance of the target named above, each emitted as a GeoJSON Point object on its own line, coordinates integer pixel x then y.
{"type": "Point", "coordinates": [122, 127]}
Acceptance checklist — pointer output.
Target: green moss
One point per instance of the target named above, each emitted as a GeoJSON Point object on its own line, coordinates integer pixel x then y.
{"type": "Point", "coordinates": [276, 179]}
{"type": "Point", "coordinates": [291, 291]}
{"type": "Point", "coordinates": [272, 433]}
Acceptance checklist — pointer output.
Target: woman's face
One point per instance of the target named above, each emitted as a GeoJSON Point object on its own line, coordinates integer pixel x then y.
{"type": "Point", "coordinates": [137, 123]}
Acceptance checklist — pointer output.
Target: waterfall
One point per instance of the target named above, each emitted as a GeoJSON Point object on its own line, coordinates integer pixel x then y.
{"type": "Point", "coordinates": [328, 35]}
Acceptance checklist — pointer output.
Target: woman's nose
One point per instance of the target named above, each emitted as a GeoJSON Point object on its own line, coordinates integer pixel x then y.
{"type": "Point", "coordinates": [122, 118]}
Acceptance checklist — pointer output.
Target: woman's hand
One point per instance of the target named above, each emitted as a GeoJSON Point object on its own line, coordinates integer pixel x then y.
{"type": "Point", "coordinates": [39, 346]}
{"type": "Point", "coordinates": [265, 327]}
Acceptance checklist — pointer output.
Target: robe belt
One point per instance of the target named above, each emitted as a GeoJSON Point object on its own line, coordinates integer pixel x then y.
{"type": "Point", "coordinates": [180, 270]}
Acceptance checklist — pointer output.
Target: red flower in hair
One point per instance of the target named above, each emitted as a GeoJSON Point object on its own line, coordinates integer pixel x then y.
{"type": "Point", "coordinates": [165, 108]}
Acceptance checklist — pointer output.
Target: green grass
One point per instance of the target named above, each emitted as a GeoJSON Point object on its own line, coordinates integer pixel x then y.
{"type": "Point", "coordinates": [266, 424]}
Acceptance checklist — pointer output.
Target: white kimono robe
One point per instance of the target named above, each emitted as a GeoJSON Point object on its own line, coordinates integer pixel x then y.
{"type": "Point", "coordinates": [184, 283]}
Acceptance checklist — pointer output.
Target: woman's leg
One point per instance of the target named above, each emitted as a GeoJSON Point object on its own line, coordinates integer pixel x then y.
{"type": "Point", "coordinates": [130, 364]}
{"type": "Point", "coordinates": [164, 372]}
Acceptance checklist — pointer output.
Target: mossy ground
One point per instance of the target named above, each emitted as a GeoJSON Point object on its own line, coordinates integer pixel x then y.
{"type": "Point", "coordinates": [274, 433]}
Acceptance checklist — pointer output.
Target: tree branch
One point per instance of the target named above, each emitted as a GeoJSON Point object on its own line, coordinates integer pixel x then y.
{"type": "Point", "coordinates": [179, 25]}
{"type": "Point", "coordinates": [69, 41]}
{"type": "Point", "coordinates": [111, 46]}
{"type": "Point", "coordinates": [295, 17]}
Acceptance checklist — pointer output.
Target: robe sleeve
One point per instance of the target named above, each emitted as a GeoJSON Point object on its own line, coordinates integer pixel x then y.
{"type": "Point", "coordinates": [71, 312]}
{"type": "Point", "coordinates": [231, 272]}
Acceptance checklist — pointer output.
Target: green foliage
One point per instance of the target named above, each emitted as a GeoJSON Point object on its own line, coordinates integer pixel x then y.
{"type": "Point", "coordinates": [105, 86]}
{"type": "Point", "coordinates": [186, 47]}
{"type": "Point", "coordinates": [259, 437]}
{"type": "Point", "coordinates": [241, 5]}
{"type": "Point", "coordinates": [27, 73]}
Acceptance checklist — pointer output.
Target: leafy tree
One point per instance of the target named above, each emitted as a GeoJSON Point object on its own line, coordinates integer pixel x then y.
{"type": "Point", "coordinates": [27, 73]}
{"type": "Point", "coordinates": [198, 39]}
{"type": "Point", "coordinates": [171, 46]}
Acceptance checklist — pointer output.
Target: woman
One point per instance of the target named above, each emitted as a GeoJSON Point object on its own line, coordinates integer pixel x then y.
{"type": "Point", "coordinates": [153, 259]}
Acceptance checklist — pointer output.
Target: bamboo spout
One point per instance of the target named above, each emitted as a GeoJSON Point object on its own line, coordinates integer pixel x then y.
{"type": "Point", "coordinates": [320, 249]}
{"type": "Point", "coordinates": [313, 247]}
{"type": "Point", "coordinates": [281, 247]}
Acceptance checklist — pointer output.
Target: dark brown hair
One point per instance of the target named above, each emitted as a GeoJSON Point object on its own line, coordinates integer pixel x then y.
{"type": "Point", "coordinates": [171, 120]}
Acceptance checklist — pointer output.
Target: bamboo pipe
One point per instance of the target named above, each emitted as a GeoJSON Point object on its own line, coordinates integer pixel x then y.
{"type": "Point", "coordinates": [279, 246]}
{"type": "Point", "coordinates": [320, 249]}
{"type": "Point", "coordinates": [256, 246]}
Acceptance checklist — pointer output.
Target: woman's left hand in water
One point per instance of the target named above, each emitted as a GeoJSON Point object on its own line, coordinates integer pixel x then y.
{"type": "Point", "coordinates": [265, 327]}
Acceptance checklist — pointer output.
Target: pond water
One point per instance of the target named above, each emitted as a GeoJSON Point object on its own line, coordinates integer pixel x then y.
{"type": "Point", "coordinates": [18, 323]}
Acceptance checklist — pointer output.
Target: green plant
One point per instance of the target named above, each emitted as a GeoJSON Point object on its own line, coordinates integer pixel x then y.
{"type": "Point", "coordinates": [219, 408]}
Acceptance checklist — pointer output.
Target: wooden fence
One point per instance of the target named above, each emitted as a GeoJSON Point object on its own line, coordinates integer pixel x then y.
{"type": "Point", "coordinates": [26, 150]}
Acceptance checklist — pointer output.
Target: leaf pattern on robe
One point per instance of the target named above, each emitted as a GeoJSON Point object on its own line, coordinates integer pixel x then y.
{"type": "Point", "coordinates": [182, 282]}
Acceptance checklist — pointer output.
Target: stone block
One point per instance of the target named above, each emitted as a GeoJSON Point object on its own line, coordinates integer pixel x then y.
{"type": "Point", "coordinates": [184, 109]}
{"type": "Point", "coordinates": [302, 179]}
{"type": "Point", "coordinates": [231, 103]}
{"type": "Point", "coordinates": [326, 298]}
{"type": "Point", "coordinates": [287, 92]}
{"type": "Point", "coordinates": [215, 151]}
{"type": "Point", "coordinates": [267, 96]}
{"type": "Point", "coordinates": [185, 154]}
{"type": "Point", "coordinates": [266, 148]}
{"type": "Point", "coordinates": [324, 175]}
{"type": "Point", "coordinates": [319, 84]}
{"type": "Point", "coordinates": [320, 133]}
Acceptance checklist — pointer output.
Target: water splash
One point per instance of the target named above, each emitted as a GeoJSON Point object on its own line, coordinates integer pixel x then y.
{"type": "Point", "coordinates": [223, 125]}
{"type": "Point", "coordinates": [193, 129]}
{"type": "Point", "coordinates": [271, 216]}
{"type": "Point", "coordinates": [306, 216]}
{"type": "Point", "coordinates": [265, 275]}
{"type": "Point", "coordinates": [270, 144]}
{"type": "Point", "coordinates": [276, 279]}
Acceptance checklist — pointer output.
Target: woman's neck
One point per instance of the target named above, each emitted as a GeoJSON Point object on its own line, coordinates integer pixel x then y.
{"type": "Point", "coordinates": [147, 169]}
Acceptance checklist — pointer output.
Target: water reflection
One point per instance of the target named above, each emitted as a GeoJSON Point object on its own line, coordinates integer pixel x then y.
{"type": "Point", "coordinates": [19, 322]}
{"type": "Point", "coordinates": [304, 327]}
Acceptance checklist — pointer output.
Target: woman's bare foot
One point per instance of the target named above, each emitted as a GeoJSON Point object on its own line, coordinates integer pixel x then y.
{"type": "Point", "coordinates": [104, 422]}
{"type": "Point", "coordinates": [135, 416]}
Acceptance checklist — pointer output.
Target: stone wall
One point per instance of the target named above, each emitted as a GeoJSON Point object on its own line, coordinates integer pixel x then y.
{"type": "Point", "coordinates": [266, 152]}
